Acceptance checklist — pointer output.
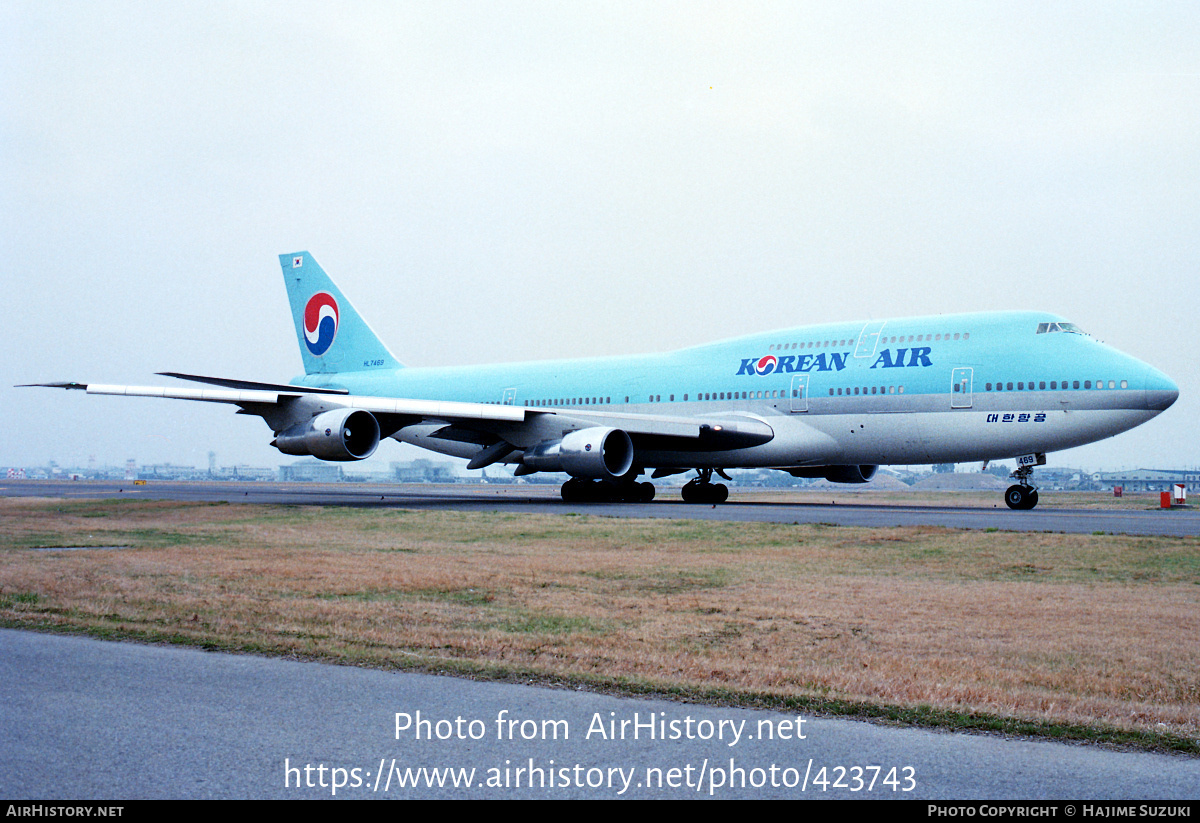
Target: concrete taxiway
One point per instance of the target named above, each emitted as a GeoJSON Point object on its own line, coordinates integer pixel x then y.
{"type": "Point", "coordinates": [858, 510]}
{"type": "Point", "coordinates": [90, 720]}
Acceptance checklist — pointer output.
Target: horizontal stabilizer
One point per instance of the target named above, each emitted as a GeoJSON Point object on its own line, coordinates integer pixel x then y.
{"type": "Point", "coordinates": [252, 385]}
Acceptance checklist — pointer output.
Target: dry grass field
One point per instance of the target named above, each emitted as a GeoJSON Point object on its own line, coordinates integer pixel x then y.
{"type": "Point", "coordinates": [1088, 636]}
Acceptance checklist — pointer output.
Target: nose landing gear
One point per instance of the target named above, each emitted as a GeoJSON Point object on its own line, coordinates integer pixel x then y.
{"type": "Point", "coordinates": [1022, 496]}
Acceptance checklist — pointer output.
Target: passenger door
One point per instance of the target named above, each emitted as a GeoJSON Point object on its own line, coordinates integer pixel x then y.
{"type": "Point", "coordinates": [960, 388]}
{"type": "Point", "coordinates": [799, 393]}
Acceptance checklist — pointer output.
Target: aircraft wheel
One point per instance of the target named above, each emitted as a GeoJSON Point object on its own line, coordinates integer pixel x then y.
{"type": "Point", "coordinates": [1017, 497]}
{"type": "Point", "coordinates": [1033, 499]}
{"type": "Point", "coordinates": [571, 491]}
{"type": "Point", "coordinates": [696, 492]}
{"type": "Point", "coordinates": [645, 492]}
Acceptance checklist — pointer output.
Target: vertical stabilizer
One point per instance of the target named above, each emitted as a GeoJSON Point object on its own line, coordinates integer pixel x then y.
{"type": "Point", "coordinates": [333, 336]}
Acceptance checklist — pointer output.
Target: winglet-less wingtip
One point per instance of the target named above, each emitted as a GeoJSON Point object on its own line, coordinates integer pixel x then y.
{"type": "Point", "coordinates": [79, 386]}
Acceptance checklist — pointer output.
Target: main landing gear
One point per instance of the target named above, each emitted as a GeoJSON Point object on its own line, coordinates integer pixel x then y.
{"type": "Point", "coordinates": [702, 490]}
{"type": "Point", "coordinates": [578, 490]}
{"type": "Point", "coordinates": [1023, 495]}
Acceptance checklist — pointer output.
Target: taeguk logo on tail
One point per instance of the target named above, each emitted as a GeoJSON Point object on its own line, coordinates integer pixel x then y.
{"type": "Point", "coordinates": [320, 322]}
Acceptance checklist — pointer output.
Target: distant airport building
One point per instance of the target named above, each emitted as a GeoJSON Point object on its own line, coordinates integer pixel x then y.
{"type": "Point", "coordinates": [423, 471]}
{"type": "Point", "coordinates": [311, 471]}
{"type": "Point", "coordinates": [1149, 480]}
{"type": "Point", "coordinates": [242, 473]}
{"type": "Point", "coordinates": [167, 471]}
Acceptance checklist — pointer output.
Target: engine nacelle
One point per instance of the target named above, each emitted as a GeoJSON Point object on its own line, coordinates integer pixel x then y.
{"type": "Point", "coordinates": [837, 474]}
{"type": "Point", "coordinates": [850, 474]}
{"type": "Point", "coordinates": [598, 453]}
{"type": "Point", "coordinates": [342, 434]}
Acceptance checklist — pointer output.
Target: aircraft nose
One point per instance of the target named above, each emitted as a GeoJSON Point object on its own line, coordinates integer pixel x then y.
{"type": "Point", "coordinates": [1161, 391]}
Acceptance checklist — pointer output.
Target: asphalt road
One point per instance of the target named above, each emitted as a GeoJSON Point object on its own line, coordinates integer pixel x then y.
{"type": "Point", "coordinates": [544, 499]}
{"type": "Point", "coordinates": [86, 719]}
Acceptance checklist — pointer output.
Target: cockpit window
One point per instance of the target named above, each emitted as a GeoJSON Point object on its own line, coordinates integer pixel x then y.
{"type": "Point", "coordinates": [1046, 328]}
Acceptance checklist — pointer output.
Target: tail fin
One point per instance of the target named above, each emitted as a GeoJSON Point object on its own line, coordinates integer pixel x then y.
{"type": "Point", "coordinates": [333, 336]}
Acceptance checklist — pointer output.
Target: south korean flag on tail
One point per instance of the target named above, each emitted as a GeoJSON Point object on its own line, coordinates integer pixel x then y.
{"type": "Point", "coordinates": [297, 262]}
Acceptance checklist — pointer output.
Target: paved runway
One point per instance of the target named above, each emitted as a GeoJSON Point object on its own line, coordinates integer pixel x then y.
{"type": "Point", "coordinates": [85, 719]}
{"type": "Point", "coordinates": [857, 511]}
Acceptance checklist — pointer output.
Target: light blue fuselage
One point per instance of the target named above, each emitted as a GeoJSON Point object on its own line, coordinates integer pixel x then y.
{"type": "Point", "coordinates": [919, 390]}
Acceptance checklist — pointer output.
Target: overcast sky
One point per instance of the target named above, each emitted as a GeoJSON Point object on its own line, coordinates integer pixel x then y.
{"type": "Point", "coordinates": [509, 181]}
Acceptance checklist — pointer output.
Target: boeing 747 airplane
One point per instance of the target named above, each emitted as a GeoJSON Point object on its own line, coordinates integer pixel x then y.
{"type": "Point", "coordinates": [831, 401]}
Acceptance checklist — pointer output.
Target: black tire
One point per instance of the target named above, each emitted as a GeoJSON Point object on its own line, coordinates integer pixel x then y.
{"type": "Point", "coordinates": [571, 492]}
{"type": "Point", "coordinates": [719, 494]}
{"type": "Point", "coordinates": [1017, 497]}
{"type": "Point", "coordinates": [645, 492]}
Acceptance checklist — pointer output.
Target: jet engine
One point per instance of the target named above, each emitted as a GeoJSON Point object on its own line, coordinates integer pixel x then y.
{"type": "Point", "coordinates": [342, 434]}
{"type": "Point", "coordinates": [836, 474]}
{"type": "Point", "coordinates": [598, 453]}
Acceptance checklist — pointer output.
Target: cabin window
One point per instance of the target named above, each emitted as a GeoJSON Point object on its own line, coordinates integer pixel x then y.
{"type": "Point", "coordinates": [1124, 384]}
{"type": "Point", "coordinates": [1075, 385]}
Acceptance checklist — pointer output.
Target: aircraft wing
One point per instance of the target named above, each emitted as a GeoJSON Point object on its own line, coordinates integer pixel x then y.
{"type": "Point", "coordinates": [282, 405]}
